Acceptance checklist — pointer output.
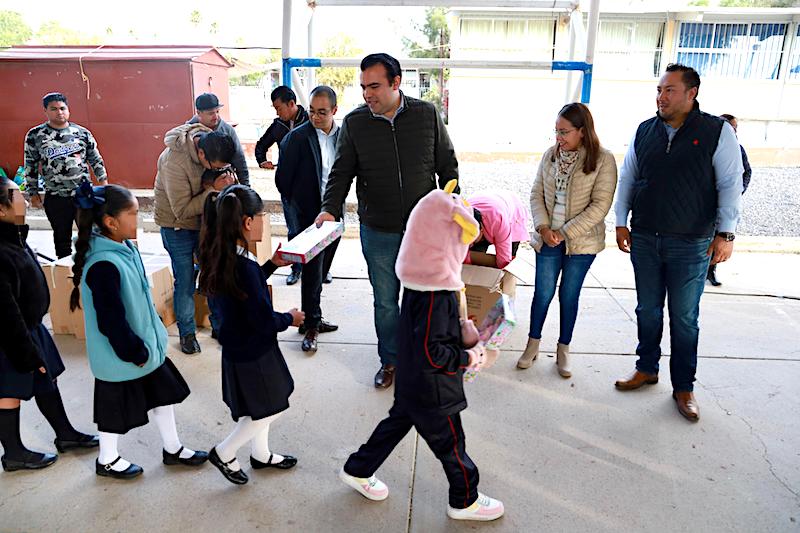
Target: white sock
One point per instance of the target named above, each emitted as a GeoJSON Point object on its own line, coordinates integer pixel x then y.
{"type": "Point", "coordinates": [246, 428]}
{"type": "Point", "coordinates": [164, 417]}
{"type": "Point", "coordinates": [260, 444]}
{"type": "Point", "coordinates": [108, 451]}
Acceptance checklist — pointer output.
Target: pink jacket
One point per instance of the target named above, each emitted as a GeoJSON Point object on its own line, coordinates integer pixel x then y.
{"type": "Point", "coordinates": [505, 220]}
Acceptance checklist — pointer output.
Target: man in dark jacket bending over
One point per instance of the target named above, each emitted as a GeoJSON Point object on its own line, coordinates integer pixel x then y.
{"type": "Point", "coordinates": [393, 146]}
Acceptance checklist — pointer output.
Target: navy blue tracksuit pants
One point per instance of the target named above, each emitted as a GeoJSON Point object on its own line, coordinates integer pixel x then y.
{"type": "Point", "coordinates": [445, 438]}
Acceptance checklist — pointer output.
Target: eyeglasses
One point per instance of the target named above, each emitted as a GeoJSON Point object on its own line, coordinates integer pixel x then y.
{"type": "Point", "coordinates": [321, 113]}
{"type": "Point", "coordinates": [563, 133]}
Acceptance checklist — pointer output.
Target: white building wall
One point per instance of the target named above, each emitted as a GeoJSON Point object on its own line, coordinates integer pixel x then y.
{"type": "Point", "coordinates": [515, 111]}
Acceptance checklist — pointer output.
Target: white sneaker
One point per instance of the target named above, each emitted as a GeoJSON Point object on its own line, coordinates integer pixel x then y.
{"type": "Point", "coordinates": [371, 488]}
{"type": "Point", "coordinates": [484, 509]}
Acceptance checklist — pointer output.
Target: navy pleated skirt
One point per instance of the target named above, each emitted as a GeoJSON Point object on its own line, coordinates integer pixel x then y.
{"type": "Point", "coordinates": [15, 384]}
{"type": "Point", "coordinates": [120, 406]}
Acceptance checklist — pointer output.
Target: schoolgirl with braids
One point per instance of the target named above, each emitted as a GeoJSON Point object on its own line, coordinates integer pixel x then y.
{"type": "Point", "coordinates": [29, 359]}
{"type": "Point", "coordinates": [125, 339]}
{"type": "Point", "coordinates": [256, 383]}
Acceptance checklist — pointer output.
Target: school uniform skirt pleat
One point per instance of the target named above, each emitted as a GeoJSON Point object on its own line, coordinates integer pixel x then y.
{"type": "Point", "coordinates": [25, 386]}
{"type": "Point", "coordinates": [257, 388]}
{"type": "Point", "coordinates": [123, 405]}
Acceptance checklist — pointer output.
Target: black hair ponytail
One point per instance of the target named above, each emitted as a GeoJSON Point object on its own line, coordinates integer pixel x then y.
{"type": "Point", "coordinates": [222, 231]}
{"type": "Point", "coordinates": [94, 204]}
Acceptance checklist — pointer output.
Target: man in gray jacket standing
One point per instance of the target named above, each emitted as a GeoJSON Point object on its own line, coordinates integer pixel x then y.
{"type": "Point", "coordinates": [207, 107]}
{"type": "Point", "coordinates": [393, 145]}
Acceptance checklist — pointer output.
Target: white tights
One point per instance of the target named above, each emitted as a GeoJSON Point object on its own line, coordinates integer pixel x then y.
{"type": "Point", "coordinates": [164, 418]}
{"type": "Point", "coordinates": [247, 429]}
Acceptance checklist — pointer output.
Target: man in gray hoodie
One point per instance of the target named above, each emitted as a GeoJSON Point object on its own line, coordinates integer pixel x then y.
{"type": "Point", "coordinates": [207, 113]}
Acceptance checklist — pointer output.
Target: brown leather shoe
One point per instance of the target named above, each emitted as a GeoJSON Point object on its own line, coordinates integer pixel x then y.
{"type": "Point", "coordinates": [687, 405]}
{"type": "Point", "coordinates": [384, 377]}
{"type": "Point", "coordinates": [310, 341]}
{"type": "Point", "coordinates": [636, 379]}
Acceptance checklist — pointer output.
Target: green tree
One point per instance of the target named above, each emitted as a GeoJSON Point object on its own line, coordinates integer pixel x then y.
{"type": "Point", "coordinates": [53, 33]}
{"type": "Point", "coordinates": [437, 33]}
{"type": "Point", "coordinates": [759, 3]}
{"type": "Point", "coordinates": [338, 78]}
{"type": "Point", "coordinates": [13, 29]}
{"type": "Point", "coordinates": [195, 18]}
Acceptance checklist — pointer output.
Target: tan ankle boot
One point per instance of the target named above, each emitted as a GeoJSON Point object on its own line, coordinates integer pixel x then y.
{"type": "Point", "coordinates": [530, 354]}
{"type": "Point", "coordinates": [562, 360]}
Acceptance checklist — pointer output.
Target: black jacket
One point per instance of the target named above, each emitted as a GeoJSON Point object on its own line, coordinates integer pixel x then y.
{"type": "Point", "coordinates": [675, 192]}
{"type": "Point", "coordinates": [748, 172]}
{"type": "Point", "coordinates": [299, 176]}
{"type": "Point", "coordinates": [24, 298]}
{"type": "Point", "coordinates": [430, 359]}
{"type": "Point", "coordinates": [276, 132]}
{"type": "Point", "coordinates": [396, 164]}
{"type": "Point", "coordinates": [250, 327]}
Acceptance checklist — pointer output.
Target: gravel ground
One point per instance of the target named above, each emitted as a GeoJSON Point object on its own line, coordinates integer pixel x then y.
{"type": "Point", "coordinates": [771, 206]}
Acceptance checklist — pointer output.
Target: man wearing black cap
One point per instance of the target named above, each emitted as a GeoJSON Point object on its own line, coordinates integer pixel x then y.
{"type": "Point", "coordinates": [207, 106]}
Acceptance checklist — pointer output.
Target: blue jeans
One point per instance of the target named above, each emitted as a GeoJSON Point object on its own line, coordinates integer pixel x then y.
{"type": "Point", "coordinates": [182, 247]}
{"type": "Point", "coordinates": [674, 268]}
{"type": "Point", "coordinates": [380, 251]}
{"type": "Point", "coordinates": [293, 227]}
{"type": "Point", "coordinates": [550, 262]}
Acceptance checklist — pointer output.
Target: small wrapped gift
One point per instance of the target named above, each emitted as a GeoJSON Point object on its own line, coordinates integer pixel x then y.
{"type": "Point", "coordinates": [311, 241]}
{"type": "Point", "coordinates": [498, 324]}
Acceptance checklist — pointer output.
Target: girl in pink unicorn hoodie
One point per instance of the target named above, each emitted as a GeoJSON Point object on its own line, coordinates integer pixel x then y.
{"type": "Point", "coordinates": [429, 387]}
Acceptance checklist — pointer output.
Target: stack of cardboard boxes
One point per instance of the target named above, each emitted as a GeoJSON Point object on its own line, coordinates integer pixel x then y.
{"type": "Point", "coordinates": [59, 279]}
{"type": "Point", "coordinates": [491, 290]}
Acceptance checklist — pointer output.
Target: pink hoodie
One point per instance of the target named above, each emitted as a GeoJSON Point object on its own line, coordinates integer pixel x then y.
{"type": "Point", "coordinates": [437, 235]}
{"type": "Point", "coordinates": [505, 220]}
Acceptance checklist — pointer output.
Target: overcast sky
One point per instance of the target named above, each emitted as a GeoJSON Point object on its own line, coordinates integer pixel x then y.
{"type": "Point", "coordinates": [239, 22]}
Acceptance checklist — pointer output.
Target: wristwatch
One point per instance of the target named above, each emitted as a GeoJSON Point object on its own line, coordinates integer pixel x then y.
{"type": "Point", "coordinates": [726, 235]}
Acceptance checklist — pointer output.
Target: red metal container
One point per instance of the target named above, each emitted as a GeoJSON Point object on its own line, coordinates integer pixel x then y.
{"type": "Point", "coordinates": [128, 96]}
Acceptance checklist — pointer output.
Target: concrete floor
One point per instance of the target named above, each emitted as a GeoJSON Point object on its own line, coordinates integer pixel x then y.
{"type": "Point", "coordinates": [563, 455]}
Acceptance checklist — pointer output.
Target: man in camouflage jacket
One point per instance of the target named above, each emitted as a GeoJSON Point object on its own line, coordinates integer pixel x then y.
{"type": "Point", "coordinates": [61, 152]}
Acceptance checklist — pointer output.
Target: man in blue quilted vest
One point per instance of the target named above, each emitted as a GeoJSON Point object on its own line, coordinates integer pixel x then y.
{"type": "Point", "coordinates": [681, 182]}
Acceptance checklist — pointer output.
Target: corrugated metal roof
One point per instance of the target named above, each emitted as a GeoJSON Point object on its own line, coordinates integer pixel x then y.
{"type": "Point", "coordinates": [105, 53]}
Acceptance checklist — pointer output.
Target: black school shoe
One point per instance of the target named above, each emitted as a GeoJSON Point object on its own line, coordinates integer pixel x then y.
{"type": "Point", "coordinates": [175, 458]}
{"type": "Point", "coordinates": [106, 471]}
{"type": "Point", "coordinates": [33, 461]}
{"type": "Point", "coordinates": [83, 441]}
{"type": "Point", "coordinates": [237, 477]}
{"type": "Point", "coordinates": [323, 327]}
{"type": "Point", "coordinates": [287, 463]}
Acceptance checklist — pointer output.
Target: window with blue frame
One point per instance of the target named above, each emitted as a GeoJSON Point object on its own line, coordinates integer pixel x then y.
{"type": "Point", "coordinates": [794, 57]}
{"type": "Point", "coordinates": [732, 50]}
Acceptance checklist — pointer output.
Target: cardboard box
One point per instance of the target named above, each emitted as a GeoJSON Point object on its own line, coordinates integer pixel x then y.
{"type": "Point", "coordinates": [201, 311]}
{"type": "Point", "coordinates": [263, 249]}
{"type": "Point", "coordinates": [162, 285]}
{"type": "Point", "coordinates": [311, 241]}
{"type": "Point", "coordinates": [59, 282]}
{"type": "Point", "coordinates": [59, 279]}
{"type": "Point", "coordinates": [485, 284]}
